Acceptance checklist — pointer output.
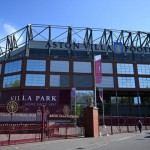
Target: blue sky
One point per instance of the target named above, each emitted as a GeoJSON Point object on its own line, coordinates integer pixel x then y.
{"type": "Point", "coordinates": [131, 15]}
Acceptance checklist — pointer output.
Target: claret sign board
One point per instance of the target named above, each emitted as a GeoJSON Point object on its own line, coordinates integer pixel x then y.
{"type": "Point", "coordinates": [30, 99]}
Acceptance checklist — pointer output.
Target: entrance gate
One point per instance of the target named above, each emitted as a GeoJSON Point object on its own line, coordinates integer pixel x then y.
{"type": "Point", "coordinates": [20, 127]}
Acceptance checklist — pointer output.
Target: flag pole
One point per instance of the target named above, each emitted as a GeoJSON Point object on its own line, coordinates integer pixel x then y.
{"type": "Point", "coordinates": [95, 104]}
{"type": "Point", "coordinates": [102, 100]}
{"type": "Point", "coordinates": [73, 95]}
{"type": "Point", "coordinates": [75, 107]}
{"type": "Point", "coordinates": [103, 109]}
{"type": "Point", "coordinates": [103, 115]}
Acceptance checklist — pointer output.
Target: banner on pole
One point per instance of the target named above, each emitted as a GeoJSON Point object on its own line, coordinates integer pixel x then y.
{"type": "Point", "coordinates": [101, 94]}
{"type": "Point", "coordinates": [98, 69]}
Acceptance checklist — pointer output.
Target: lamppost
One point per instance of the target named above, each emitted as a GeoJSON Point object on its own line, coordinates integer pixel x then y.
{"type": "Point", "coordinates": [118, 111]}
{"type": "Point", "coordinates": [103, 107]}
{"type": "Point", "coordinates": [139, 102]}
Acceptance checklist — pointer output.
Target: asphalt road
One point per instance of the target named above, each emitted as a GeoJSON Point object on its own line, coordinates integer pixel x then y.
{"type": "Point", "coordinates": [123, 141]}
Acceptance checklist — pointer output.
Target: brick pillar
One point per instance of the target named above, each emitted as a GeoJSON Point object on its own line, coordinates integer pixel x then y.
{"type": "Point", "coordinates": [91, 122]}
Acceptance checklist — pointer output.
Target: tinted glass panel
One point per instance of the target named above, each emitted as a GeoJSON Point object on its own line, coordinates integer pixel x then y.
{"type": "Point", "coordinates": [143, 69]}
{"type": "Point", "coordinates": [126, 82]}
{"type": "Point", "coordinates": [13, 67]}
{"type": "Point", "coordinates": [36, 65]}
{"type": "Point", "coordinates": [59, 66]}
{"type": "Point", "coordinates": [82, 97]}
{"type": "Point", "coordinates": [59, 54]}
{"type": "Point", "coordinates": [144, 82]}
{"type": "Point", "coordinates": [35, 80]}
{"type": "Point", "coordinates": [39, 52]}
{"type": "Point", "coordinates": [80, 54]}
{"type": "Point", "coordinates": [107, 68]}
{"type": "Point", "coordinates": [123, 57]}
{"type": "Point", "coordinates": [82, 67]}
{"type": "Point", "coordinates": [125, 69]}
{"type": "Point", "coordinates": [106, 82]}
{"type": "Point", "coordinates": [82, 81]}
{"type": "Point", "coordinates": [11, 81]}
{"type": "Point", "coordinates": [113, 100]}
{"type": "Point", "coordinates": [59, 80]}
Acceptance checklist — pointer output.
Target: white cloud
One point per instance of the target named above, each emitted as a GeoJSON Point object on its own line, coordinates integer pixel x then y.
{"type": "Point", "coordinates": [7, 29]}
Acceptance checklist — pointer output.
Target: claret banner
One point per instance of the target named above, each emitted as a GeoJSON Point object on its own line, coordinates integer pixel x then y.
{"type": "Point", "coordinates": [98, 69]}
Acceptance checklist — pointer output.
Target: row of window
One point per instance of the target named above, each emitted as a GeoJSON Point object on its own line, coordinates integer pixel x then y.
{"type": "Point", "coordinates": [55, 66]}
{"type": "Point", "coordinates": [124, 82]}
{"type": "Point", "coordinates": [55, 80]}
{"type": "Point", "coordinates": [129, 82]}
{"type": "Point", "coordinates": [78, 80]}
{"type": "Point", "coordinates": [130, 100]}
{"type": "Point", "coordinates": [143, 69]}
{"type": "Point", "coordinates": [78, 67]}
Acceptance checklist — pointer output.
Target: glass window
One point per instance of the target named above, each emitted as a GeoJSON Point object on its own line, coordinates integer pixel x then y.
{"type": "Point", "coordinates": [35, 80]}
{"type": "Point", "coordinates": [59, 53]}
{"type": "Point", "coordinates": [143, 69]}
{"type": "Point", "coordinates": [11, 81]}
{"type": "Point", "coordinates": [125, 100]}
{"type": "Point", "coordinates": [39, 52]}
{"type": "Point", "coordinates": [82, 67]}
{"type": "Point", "coordinates": [0, 68]}
{"type": "Point", "coordinates": [146, 100]}
{"type": "Point", "coordinates": [107, 68]}
{"type": "Point", "coordinates": [144, 82]}
{"type": "Point", "coordinates": [82, 97]}
{"type": "Point", "coordinates": [36, 65]}
{"type": "Point", "coordinates": [118, 100]}
{"type": "Point", "coordinates": [131, 99]}
{"type": "Point", "coordinates": [14, 66]}
{"type": "Point", "coordinates": [59, 80]}
{"type": "Point", "coordinates": [107, 82]}
{"type": "Point", "coordinates": [82, 81]}
{"type": "Point", "coordinates": [59, 66]}
{"type": "Point", "coordinates": [80, 54]}
{"type": "Point", "coordinates": [125, 68]}
{"type": "Point", "coordinates": [126, 82]}
{"type": "Point", "coordinates": [137, 100]}
{"type": "Point", "coordinates": [123, 56]}
{"type": "Point", "coordinates": [113, 100]}
{"type": "Point", "coordinates": [54, 80]}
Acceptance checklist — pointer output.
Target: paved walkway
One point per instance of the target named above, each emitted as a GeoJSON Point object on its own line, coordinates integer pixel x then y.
{"type": "Point", "coordinates": [74, 144]}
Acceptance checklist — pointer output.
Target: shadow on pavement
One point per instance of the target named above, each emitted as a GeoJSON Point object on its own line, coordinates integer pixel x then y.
{"type": "Point", "coordinates": [147, 137]}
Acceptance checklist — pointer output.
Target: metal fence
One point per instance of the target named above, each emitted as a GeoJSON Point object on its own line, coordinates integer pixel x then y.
{"type": "Point", "coordinates": [119, 124]}
{"type": "Point", "coordinates": [31, 127]}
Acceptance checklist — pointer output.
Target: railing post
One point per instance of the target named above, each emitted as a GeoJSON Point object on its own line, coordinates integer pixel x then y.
{"type": "Point", "coordinates": [9, 128]}
{"type": "Point", "coordinates": [43, 123]}
{"type": "Point", "coordinates": [127, 124]}
{"type": "Point", "coordinates": [111, 125]}
{"type": "Point", "coordinates": [135, 124]}
{"type": "Point", "coordinates": [145, 123]}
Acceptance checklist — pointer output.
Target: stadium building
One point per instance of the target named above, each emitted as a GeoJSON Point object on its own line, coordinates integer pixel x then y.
{"type": "Point", "coordinates": [41, 64]}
